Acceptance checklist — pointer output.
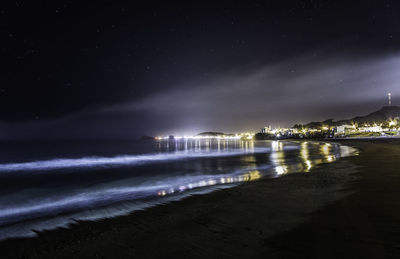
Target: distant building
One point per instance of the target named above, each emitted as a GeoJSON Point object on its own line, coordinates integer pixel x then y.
{"type": "Point", "coordinates": [371, 129]}
{"type": "Point", "coordinates": [266, 130]}
{"type": "Point", "coordinates": [343, 129]}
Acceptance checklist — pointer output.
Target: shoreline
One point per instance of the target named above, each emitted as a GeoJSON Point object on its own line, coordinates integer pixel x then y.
{"type": "Point", "coordinates": [247, 220]}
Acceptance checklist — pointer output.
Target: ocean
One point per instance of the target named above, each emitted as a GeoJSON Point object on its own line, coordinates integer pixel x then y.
{"type": "Point", "coordinates": [54, 184]}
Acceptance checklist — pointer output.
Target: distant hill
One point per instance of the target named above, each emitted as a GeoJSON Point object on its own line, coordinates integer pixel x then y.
{"type": "Point", "coordinates": [216, 134]}
{"type": "Point", "coordinates": [382, 115]}
{"type": "Point", "coordinates": [211, 133]}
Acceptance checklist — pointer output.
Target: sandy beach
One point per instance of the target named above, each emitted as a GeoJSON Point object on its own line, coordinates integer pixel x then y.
{"type": "Point", "coordinates": [346, 209]}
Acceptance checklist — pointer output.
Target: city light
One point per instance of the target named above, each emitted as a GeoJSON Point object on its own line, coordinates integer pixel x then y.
{"type": "Point", "coordinates": [237, 136]}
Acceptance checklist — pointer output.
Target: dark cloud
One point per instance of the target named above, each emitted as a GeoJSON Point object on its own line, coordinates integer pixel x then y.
{"type": "Point", "coordinates": [293, 91]}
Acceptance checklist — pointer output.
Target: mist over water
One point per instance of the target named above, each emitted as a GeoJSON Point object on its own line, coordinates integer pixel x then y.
{"type": "Point", "coordinates": [45, 192]}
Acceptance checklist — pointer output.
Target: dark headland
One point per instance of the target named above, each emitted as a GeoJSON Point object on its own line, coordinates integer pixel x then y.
{"type": "Point", "coordinates": [346, 209]}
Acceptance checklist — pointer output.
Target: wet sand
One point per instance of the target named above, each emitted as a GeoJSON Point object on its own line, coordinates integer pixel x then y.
{"type": "Point", "coordinates": [346, 209]}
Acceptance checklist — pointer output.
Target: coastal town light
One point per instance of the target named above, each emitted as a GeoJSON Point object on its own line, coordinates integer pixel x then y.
{"type": "Point", "coordinates": [243, 135]}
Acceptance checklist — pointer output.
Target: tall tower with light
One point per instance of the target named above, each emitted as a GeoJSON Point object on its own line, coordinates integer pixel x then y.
{"type": "Point", "coordinates": [390, 99]}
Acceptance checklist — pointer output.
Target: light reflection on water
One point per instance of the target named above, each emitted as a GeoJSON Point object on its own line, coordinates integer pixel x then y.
{"type": "Point", "coordinates": [246, 177]}
{"type": "Point", "coordinates": [192, 145]}
{"type": "Point", "coordinates": [305, 156]}
{"type": "Point", "coordinates": [327, 153]}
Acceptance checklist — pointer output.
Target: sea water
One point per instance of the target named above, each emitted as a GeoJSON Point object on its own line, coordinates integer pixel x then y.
{"type": "Point", "coordinates": [48, 185]}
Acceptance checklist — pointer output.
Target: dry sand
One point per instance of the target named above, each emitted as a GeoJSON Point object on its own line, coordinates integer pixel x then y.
{"type": "Point", "coordinates": [346, 209]}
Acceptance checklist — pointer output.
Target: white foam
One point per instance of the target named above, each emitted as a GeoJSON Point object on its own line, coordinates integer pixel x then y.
{"type": "Point", "coordinates": [117, 161]}
{"type": "Point", "coordinates": [106, 194]}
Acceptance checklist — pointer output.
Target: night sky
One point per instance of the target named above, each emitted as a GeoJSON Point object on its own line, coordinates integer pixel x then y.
{"type": "Point", "coordinates": [110, 70]}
